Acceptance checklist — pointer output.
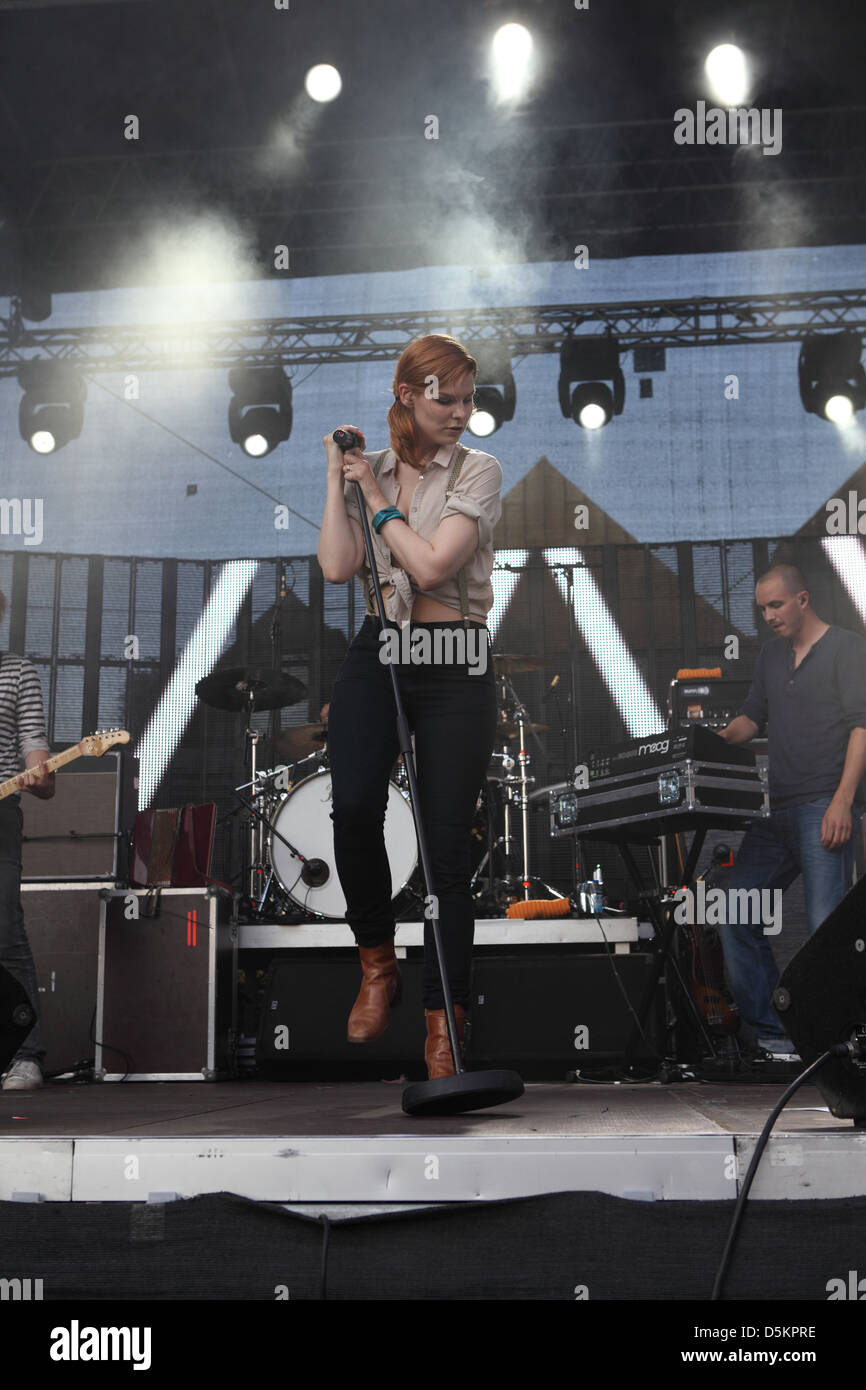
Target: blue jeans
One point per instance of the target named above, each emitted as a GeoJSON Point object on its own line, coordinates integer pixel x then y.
{"type": "Point", "coordinates": [15, 953]}
{"type": "Point", "coordinates": [771, 856]}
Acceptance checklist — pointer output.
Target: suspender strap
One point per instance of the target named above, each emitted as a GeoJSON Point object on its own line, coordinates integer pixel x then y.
{"type": "Point", "coordinates": [462, 586]}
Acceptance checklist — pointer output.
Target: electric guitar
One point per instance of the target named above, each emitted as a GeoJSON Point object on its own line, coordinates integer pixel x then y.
{"type": "Point", "coordinates": [91, 747]}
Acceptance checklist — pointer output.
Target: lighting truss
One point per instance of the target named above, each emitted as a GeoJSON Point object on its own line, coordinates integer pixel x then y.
{"type": "Point", "coordinates": [302, 342]}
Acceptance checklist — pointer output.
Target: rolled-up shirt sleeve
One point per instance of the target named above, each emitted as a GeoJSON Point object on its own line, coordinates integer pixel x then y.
{"type": "Point", "coordinates": [30, 712]}
{"type": "Point", "coordinates": [478, 495]}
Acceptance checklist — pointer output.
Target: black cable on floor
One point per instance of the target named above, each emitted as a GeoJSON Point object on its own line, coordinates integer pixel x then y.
{"type": "Point", "coordinates": [840, 1050]}
{"type": "Point", "coordinates": [323, 1274]}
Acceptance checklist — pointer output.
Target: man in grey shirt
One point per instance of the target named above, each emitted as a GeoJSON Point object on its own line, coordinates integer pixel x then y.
{"type": "Point", "coordinates": [809, 690]}
{"type": "Point", "coordinates": [23, 740]}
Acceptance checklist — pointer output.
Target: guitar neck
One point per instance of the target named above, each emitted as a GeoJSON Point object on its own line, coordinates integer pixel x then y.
{"type": "Point", "coordinates": [50, 765]}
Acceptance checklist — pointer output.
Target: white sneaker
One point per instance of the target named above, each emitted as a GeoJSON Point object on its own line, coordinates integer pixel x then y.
{"type": "Point", "coordinates": [23, 1076]}
{"type": "Point", "coordinates": [780, 1047]}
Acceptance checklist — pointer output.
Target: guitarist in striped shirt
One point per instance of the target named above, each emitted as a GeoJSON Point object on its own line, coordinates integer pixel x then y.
{"type": "Point", "coordinates": [23, 741]}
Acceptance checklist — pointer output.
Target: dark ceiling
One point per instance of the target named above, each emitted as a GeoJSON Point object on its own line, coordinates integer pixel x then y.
{"type": "Point", "coordinates": [226, 133]}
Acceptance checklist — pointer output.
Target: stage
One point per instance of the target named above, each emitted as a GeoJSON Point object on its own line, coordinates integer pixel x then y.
{"type": "Point", "coordinates": [320, 1144]}
{"type": "Point", "coordinates": [266, 1191]}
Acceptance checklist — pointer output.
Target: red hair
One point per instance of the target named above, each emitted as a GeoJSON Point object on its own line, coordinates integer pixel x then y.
{"type": "Point", "coordinates": [436, 354]}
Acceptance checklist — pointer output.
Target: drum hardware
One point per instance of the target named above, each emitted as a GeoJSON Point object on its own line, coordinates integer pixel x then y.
{"type": "Point", "coordinates": [306, 810]}
{"type": "Point", "coordinates": [508, 796]}
{"type": "Point", "coordinates": [249, 690]}
{"type": "Point", "coordinates": [509, 730]}
{"type": "Point", "coordinates": [300, 741]}
{"type": "Point", "coordinates": [510, 664]}
{"type": "Point", "coordinates": [514, 722]}
{"type": "Point", "coordinates": [313, 872]}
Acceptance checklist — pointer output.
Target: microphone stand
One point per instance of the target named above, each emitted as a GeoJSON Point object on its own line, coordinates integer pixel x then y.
{"type": "Point", "coordinates": [446, 1095]}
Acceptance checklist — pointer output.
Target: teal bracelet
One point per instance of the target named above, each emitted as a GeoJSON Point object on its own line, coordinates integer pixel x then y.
{"type": "Point", "coordinates": [386, 514]}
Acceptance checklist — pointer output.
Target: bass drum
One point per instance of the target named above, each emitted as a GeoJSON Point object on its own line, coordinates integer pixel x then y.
{"type": "Point", "coordinates": [304, 819]}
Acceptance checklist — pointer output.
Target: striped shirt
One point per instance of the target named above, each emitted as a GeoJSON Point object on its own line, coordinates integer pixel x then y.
{"type": "Point", "coordinates": [22, 716]}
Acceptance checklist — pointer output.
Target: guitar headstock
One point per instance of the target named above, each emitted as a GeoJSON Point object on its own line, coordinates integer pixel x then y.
{"type": "Point", "coordinates": [94, 745]}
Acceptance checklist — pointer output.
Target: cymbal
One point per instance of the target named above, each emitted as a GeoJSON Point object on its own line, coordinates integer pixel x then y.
{"type": "Point", "coordinates": [299, 741]}
{"type": "Point", "coordinates": [513, 730]}
{"type": "Point", "coordinates": [230, 689]}
{"type": "Point", "coordinates": [510, 664]}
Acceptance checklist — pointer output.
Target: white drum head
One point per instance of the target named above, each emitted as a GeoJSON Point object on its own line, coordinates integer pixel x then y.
{"type": "Point", "coordinates": [304, 818]}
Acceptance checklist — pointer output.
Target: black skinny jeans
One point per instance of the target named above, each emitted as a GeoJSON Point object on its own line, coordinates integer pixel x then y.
{"type": "Point", "coordinates": [452, 714]}
{"type": "Point", "coordinates": [15, 953]}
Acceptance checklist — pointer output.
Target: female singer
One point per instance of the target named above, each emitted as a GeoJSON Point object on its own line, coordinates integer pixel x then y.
{"type": "Point", "coordinates": [432, 509]}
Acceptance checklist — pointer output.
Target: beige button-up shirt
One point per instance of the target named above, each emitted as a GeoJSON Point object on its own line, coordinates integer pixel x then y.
{"type": "Point", "coordinates": [477, 495]}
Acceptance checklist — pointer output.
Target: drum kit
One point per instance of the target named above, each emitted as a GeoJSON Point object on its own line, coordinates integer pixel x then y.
{"type": "Point", "coordinates": [289, 867]}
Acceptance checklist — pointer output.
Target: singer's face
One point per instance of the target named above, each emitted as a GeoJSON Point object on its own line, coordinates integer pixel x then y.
{"type": "Point", "coordinates": [442, 420]}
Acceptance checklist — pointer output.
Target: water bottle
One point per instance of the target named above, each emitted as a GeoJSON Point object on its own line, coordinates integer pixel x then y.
{"type": "Point", "coordinates": [597, 892]}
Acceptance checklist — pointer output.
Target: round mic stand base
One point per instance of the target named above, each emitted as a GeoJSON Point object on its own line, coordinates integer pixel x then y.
{"type": "Point", "coordinates": [466, 1090]}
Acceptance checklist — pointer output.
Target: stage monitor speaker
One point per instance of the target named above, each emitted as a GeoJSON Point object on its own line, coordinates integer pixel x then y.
{"type": "Point", "coordinates": [821, 999]}
{"type": "Point", "coordinates": [16, 1017]}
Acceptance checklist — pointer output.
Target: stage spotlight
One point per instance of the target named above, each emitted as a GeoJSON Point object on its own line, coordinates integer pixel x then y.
{"type": "Point", "coordinates": [483, 420]}
{"type": "Point", "coordinates": [260, 411]}
{"type": "Point", "coordinates": [495, 393]}
{"type": "Point", "coordinates": [592, 362]}
{"type": "Point", "coordinates": [831, 375]}
{"type": "Point", "coordinates": [592, 405]}
{"type": "Point", "coordinates": [323, 82]}
{"type": "Point", "coordinates": [727, 74]}
{"type": "Point", "coordinates": [51, 411]}
{"type": "Point", "coordinates": [512, 48]}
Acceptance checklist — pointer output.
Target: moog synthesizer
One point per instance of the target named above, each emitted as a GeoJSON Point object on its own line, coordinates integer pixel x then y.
{"type": "Point", "coordinates": [686, 779]}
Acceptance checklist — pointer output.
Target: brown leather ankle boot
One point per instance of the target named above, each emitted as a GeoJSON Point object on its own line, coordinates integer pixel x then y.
{"type": "Point", "coordinates": [437, 1049]}
{"type": "Point", "coordinates": [380, 993]}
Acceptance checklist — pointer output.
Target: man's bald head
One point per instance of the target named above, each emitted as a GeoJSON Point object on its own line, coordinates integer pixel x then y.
{"type": "Point", "coordinates": [791, 576]}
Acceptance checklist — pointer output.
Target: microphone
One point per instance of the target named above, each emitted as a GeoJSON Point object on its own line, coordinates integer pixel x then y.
{"type": "Point", "coordinates": [347, 439]}
{"type": "Point", "coordinates": [315, 872]}
{"type": "Point", "coordinates": [551, 688]}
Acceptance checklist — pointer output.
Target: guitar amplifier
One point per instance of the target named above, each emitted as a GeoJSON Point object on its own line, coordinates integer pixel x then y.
{"type": "Point", "coordinates": [78, 833]}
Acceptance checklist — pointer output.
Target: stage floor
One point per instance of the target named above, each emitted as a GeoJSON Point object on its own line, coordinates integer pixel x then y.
{"type": "Point", "coordinates": [322, 1143]}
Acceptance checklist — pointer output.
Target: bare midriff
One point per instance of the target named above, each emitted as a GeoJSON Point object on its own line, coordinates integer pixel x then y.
{"type": "Point", "coordinates": [429, 610]}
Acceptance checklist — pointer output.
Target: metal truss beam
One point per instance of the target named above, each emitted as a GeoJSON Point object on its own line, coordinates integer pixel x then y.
{"type": "Point", "coordinates": [298, 342]}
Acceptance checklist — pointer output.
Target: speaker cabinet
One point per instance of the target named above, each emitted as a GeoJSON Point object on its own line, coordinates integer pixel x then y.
{"type": "Point", "coordinates": [16, 1017]}
{"type": "Point", "coordinates": [821, 999]}
{"type": "Point", "coordinates": [75, 834]}
{"type": "Point", "coordinates": [308, 998]}
{"type": "Point", "coordinates": [562, 1009]}
{"type": "Point", "coordinates": [542, 1011]}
